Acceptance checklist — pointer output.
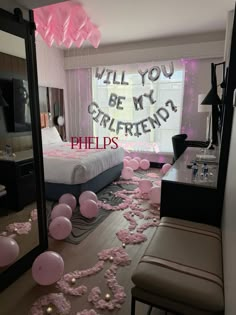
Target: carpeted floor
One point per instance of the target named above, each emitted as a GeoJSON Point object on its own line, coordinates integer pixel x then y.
{"type": "Point", "coordinates": [81, 226]}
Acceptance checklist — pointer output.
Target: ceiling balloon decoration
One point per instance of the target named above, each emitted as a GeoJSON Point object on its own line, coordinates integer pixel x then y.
{"type": "Point", "coordinates": [65, 24]}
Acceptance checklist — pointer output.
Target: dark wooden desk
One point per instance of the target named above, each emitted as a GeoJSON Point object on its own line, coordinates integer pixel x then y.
{"type": "Point", "coordinates": [17, 174]}
{"type": "Point", "coordinates": [185, 198]}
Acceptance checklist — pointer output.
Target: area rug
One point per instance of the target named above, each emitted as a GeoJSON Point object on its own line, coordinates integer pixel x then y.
{"type": "Point", "coordinates": [81, 226]}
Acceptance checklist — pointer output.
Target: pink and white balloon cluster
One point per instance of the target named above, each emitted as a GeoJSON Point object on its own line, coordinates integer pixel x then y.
{"type": "Point", "coordinates": [48, 267]}
{"type": "Point", "coordinates": [60, 226]}
{"type": "Point", "coordinates": [66, 23]}
{"type": "Point", "coordinates": [153, 192]}
{"type": "Point", "coordinates": [88, 204]}
{"type": "Point", "coordinates": [131, 165]}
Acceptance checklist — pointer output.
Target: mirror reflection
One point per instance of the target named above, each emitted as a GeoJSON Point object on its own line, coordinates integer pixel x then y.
{"type": "Point", "coordinates": [18, 214]}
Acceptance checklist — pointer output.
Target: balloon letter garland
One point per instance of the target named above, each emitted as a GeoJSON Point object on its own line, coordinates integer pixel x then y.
{"type": "Point", "coordinates": [65, 23]}
{"type": "Point", "coordinates": [110, 76]}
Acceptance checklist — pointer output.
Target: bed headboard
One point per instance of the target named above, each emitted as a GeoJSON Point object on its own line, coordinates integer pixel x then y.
{"type": "Point", "coordinates": [44, 121]}
{"type": "Point", "coordinates": [50, 135]}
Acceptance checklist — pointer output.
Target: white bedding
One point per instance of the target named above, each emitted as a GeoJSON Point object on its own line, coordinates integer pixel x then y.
{"type": "Point", "coordinates": [72, 166]}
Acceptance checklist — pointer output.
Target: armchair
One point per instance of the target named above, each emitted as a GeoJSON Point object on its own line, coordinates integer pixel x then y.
{"type": "Point", "coordinates": [180, 144]}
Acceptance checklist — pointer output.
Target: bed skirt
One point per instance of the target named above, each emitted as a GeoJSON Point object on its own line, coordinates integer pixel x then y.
{"type": "Point", "coordinates": [53, 191]}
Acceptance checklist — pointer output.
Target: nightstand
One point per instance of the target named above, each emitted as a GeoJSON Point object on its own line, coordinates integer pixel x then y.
{"type": "Point", "coordinates": [17, 175]}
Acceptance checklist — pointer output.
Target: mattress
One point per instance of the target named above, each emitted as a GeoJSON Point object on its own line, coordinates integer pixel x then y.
{"type": "Point", "coordinates": [76, 166]}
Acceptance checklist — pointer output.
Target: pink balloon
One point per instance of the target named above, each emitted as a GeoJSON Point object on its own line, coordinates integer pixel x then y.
{"type": "Point", "coordinates": [69, 199]}
{"type": "Point", "coordinates": [165, 168]}
{"type": "Point", "coordinates": [61, 210]}
{"type": "Point", "coordinates": [48, 268]}
{"type": "Point", "coordinates": [79, 41]}
{"type": "Point", "coordinates": [57, 40]}
{"type": "Point", "coordinates": [87, 195]}
{"type": "Point", "coordinates": [86, 30]}
{"type": "Point", "coordinates": [144, 164]}
{"type": "Point", "coordinates": [60, 228]}
{"type": "Point", "coordinates": [155, 194]}
{"type": "Point", "coordinates": [62, 11]}
{"type": "Point", "coordinates": [137, 158]}
{"type": "Point", "coordinates": [95, 37]}
{"type": "Point", "coordinates": [43, 16]}
{"type": "Point", "coordinates": [89, 209]}
{"type": "Point", "coordinates": [57, 29]}
{"type": "Point", "coordinates": [67, 42]}
{"type": "Point", "coordinates": [145, 185]}
{"type": "Point", "coordinates": [127, 172]}
{"type": "Point", "coordinates": [9, 251]}
{"type": "Point", "coordinates": [68, 23]}
{"type": "Point", "coordinates": [78, 18]}
{"type": "Point", "coordinates": [134, 164]}
{"type": "Point", "coordinates": [73, 34]}
{"type": "Point", "coordinates": [49, 39]}
{"type": "Point", "coordinates": [128, 157]}
{"type": "Point", "coordinates": [125, 162]}
{"type": "Point", "coordinates": [41, 30]}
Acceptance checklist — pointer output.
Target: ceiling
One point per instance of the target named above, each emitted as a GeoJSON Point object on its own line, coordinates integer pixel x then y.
{"type": "Point", "coordinates": [125, 21]}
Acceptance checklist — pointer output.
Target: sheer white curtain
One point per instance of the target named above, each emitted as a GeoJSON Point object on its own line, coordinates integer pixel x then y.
{"type": "Point", "coordinates": [79, 91]}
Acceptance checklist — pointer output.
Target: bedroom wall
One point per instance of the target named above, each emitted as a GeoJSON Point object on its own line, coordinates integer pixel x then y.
{"type": "Point", "coordinates": [197, 81]}
{"type": "Point", "coordinates": [208, 45]}
{"type": "Point", "coordinates": [51, 73]}
{"type": "Point", "coordinates": [11, 5]}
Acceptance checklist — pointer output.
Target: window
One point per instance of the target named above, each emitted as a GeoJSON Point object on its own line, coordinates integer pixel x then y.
{"type": "Point", "coordinates": [129, 85]}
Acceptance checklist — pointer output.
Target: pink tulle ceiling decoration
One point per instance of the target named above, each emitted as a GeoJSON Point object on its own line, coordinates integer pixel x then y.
{"type": "Point", "coordinates": [65, 23]}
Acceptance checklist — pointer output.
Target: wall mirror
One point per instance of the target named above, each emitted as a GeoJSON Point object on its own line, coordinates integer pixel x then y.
{"type": "Point", "coordinates": [22, 205]}
{"type": "Point", "coordinates": [52, 110]}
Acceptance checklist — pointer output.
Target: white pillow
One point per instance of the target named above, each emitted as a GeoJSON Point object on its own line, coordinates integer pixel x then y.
{"type": "Point", "coordinates": [50, 135]}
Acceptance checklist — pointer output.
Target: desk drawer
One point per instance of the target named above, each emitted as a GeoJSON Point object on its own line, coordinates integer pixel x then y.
{"type": "Point", "coordinates": [26, 169]}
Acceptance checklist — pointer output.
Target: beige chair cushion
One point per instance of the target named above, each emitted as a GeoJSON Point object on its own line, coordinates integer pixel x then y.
{"type": "Point", "coordinates": [183, 263]}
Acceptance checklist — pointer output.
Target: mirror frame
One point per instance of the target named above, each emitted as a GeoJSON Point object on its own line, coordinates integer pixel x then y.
{"type": "Point", "coordinates": [16, 25]}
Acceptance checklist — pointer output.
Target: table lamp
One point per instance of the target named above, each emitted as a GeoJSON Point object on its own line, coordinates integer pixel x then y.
{"type": "Point", "coordinates": [205, 109]}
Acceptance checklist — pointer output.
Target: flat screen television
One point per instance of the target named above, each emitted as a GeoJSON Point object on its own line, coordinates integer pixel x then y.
{"type": "Point", "coordinates": [17, 113]}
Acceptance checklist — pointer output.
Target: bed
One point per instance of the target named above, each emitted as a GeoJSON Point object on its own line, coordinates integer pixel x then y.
{"type": "Point", "coordinates": [73, 171]}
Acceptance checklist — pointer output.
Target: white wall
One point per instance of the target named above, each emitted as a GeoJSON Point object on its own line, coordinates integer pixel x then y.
{"type": "Point", "coordinates": [50, 64]}
{"type": "Point", "coordinates": [196, 46]}
{"type": "Point", "coordinates": [51, 73]}
{"type": "Point", "coordinates": [12, 45]}
{"type": "Point", "coordinates": [10, 5]}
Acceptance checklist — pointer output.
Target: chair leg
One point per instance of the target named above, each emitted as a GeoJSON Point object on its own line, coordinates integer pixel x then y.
{"type": "Point", "coordinates": [133, 306]}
